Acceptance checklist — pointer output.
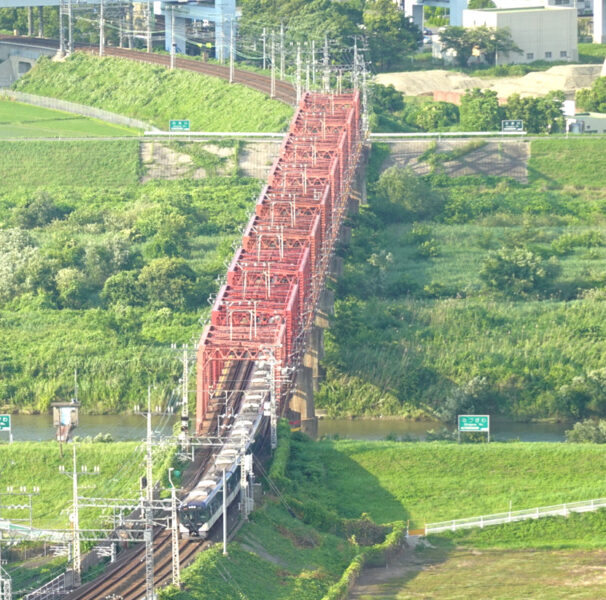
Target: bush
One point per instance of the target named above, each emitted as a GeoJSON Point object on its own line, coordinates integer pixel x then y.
{"type": "Point", "coordinates": [403, 196]}
{"type": "Point", "coordinates": [588, 431]}
{"type": "Point", "coordinates": [518, 271]}
{"type": "Point", "coordinates": [437, 115]}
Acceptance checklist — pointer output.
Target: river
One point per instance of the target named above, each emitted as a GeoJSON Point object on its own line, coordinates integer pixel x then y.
{"type": "Point", "coordinates": [132, 427]}
{"type": "Point", "coordinates": [379, 429]}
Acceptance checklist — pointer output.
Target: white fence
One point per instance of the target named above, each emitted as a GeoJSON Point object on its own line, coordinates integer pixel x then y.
{"type": "Point", "coordinates": [560, 510]}
{"type": "Point", "coordinates": [55, 588]}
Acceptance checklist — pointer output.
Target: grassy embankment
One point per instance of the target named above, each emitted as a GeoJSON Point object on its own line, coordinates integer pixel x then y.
{"type": "Point", "coordinates": [416, 326]}
{"type": "Point", "coordinates": [155, 94]}
{"type": "Point", "coordinates": [18, 120]}
{"type": "Point", "coordinates": [393, 481]}
{"type": "Point", "coordinates": [74, 219]}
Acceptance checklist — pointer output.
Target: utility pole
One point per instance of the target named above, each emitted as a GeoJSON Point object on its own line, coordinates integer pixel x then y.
{"type": "Point", "coordinates": [224, 514]}
{"type": "Point", "coordinates": [298, 75]}
{"type": "Point", "coordinates": [148, 503]}
{"type": "Point", "coordinates": [365, 123]}
{"type": "Point", "coordinates": [326, 72]}
{"type": "Point", "coordinates": [40, 21]}
{"type": "Point", "coordinates": [313, 62]}
{"type": "Point", "coordinates": [150, 13]}
{"type": "Point", "coordinates": [184, 434]}
{"type": "Point", "coordinates": [232, 51]}
{"type": "Point", "coordinates": [61, 30]}
{"type": "Point", "coordinates": [264, 38]}
{"type": "Point", "coordinates": [173, 43]}
{"type": "Point", "coordinates": [355, 64]}
{"type": "Point", "coordinates": [307, 66]}
{"type": "Point", "coordinates": [6, 585]}
{"type": "Point", "coordinates": [30, 21]}
{"type": "Point", "coordinates": [273, 65]}
{"type": "Point", "coordinates": [282, 51]}
{"type": "Point", "coordinates": [76, 555]}
{"type": "Point", "coordinates": [175, 530]}
{"type": "Point", "coordinates": [101, 27]}
{"type": "Point", "coordinates": [70, 31]}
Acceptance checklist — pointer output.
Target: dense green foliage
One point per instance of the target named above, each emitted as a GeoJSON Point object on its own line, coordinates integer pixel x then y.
{"type": "Point", "coordinates": [19, 120]}
{"type": "Point", "coordinates": [593, 98]}
{"type": "Point", "coordinates": [102, 273]}
{"type": "Point", "coordinates": [592, 53]}
{"type": "Point", "coordinates": [419, 320]}
{"type": "Point", "coordinates": [155, 94]}
{"type": "Point", "coordinates": [430, 482]}
{"type": "Point", "coordinates": [390, 35]}
{"type": "Point", "coordinates": [588, 431]}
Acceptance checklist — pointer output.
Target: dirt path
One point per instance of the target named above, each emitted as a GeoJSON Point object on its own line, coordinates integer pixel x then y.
{"type": "Point", "coordinates": [568, 78]}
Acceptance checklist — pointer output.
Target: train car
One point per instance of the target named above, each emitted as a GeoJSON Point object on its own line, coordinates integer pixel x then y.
{"type": "Point", "coordinates": [203, 506]}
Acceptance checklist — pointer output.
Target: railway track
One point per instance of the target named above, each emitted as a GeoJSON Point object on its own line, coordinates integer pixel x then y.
{"type": "Point", "coordinates": [284, 91]}
{"type": "Point", "coordinates": [126, 579]}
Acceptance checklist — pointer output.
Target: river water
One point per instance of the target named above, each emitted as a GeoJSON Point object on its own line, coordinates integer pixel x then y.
{"type": "Point", "coordinates": [132, 427]}
{"type": "Point", "coordinates": [379, 429]}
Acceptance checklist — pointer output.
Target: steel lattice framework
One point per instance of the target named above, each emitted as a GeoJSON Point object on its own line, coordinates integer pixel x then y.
{"type": "Point", "coordinates": [274, 282]}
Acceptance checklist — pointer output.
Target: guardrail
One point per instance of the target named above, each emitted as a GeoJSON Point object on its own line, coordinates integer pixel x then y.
{"type": "Point", "coordinates": [561, 510]}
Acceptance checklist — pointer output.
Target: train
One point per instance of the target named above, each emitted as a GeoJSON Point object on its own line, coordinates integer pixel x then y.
{"type": "Point", "coordinates": [243, 434]}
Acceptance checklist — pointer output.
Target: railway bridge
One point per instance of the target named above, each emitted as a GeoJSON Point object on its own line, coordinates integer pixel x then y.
{"type": "Point", "coordinates": [271, 307]}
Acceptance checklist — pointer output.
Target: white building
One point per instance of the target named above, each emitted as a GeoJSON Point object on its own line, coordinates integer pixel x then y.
{"type": "Point", "coordinates": [543, 32]}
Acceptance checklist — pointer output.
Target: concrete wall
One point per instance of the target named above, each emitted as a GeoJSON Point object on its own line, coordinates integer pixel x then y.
{"type": "Point", "coordinates": [542, 33]}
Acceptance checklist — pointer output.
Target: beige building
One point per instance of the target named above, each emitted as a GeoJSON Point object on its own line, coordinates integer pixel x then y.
{"type": "Point", "coordinates": [544, 32]}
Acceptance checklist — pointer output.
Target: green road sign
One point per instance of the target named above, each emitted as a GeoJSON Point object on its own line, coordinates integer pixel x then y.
{"type": "Point", "coordinates": [474, 423]}
{"type": "Point", "coordinates": [5, 422]}
{"type": "Point", "coordinates": [182, 125]}
{"type": "Point", "coordinates": [512, 125]}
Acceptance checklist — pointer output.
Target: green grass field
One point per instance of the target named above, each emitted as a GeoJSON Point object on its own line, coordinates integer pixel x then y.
{"type": "Point", "coordinates": [578, 162]}
{"type": "Point", "coordinates": [81, 164]}
{"type": "Point", "coordinates": [37, 464]}
{"type": "Point", "coordinates": [155, 94]}
{"type": "Point", "coordinates": [430, 482]}
{"type": "Point", "coordinates": [462, 574]}
{"type": "Point", "coordinates": [19, 120]}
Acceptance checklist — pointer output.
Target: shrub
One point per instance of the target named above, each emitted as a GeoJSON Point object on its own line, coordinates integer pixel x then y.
{"type": "Point", "coordinates": [588, 431]}
{"type": "Point", "coordinates": [518, 271]}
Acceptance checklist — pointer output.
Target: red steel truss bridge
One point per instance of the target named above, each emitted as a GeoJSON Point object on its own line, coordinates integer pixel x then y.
{"type": "Point", "coordinates": [264, 312]}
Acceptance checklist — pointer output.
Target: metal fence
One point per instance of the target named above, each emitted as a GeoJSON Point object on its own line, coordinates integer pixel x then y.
{"type": "Point", "coordinates": [55, 588]}
{"type": "Point", "coordinates": [78, 109]}
{"type": "Point", "coordinates": [560, 510]}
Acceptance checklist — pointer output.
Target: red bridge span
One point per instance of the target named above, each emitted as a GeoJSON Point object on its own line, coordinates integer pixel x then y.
{"type": "Point", "coordinates": [266, 311]}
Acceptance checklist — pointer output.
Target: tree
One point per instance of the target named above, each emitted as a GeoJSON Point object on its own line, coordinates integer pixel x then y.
{"type": "Point", "coordinates": [480, 111]}
{"type": "Point", "coordinates": [540, 115]}
{"type": "Point", "coordinates": [484, 41]}
{"type": "Point", "coordinates": [437, 115]}
{"type": "Point", "coordinates": [123, 288]}
{"type": "Point", "coordinates": [457, 39]}
{"type": "Point", "coordinates": [593, 98]}
{"type": "Point", "coordinates": [168, 282]}
{"type": "Point", "coordinates": [588, 431]}
{"type": "Point", "coordinates": [390, 34]}
{"type": "Point", "coordinates": [403, 196]}
{"type": "Point", "coordinates": [518, 271]}
{"type": "Point", "coordinates": [480, 4]}
{"type": "Point", "coordinates": [72, 287]}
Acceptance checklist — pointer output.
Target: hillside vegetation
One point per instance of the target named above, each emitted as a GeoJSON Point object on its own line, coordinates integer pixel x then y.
{"type": "Point", "coordinates": [475, 293]}
{"type": "Point", "coordinates": [155, 94]}
{"type": "Point", "coordinates": [101, 273]}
